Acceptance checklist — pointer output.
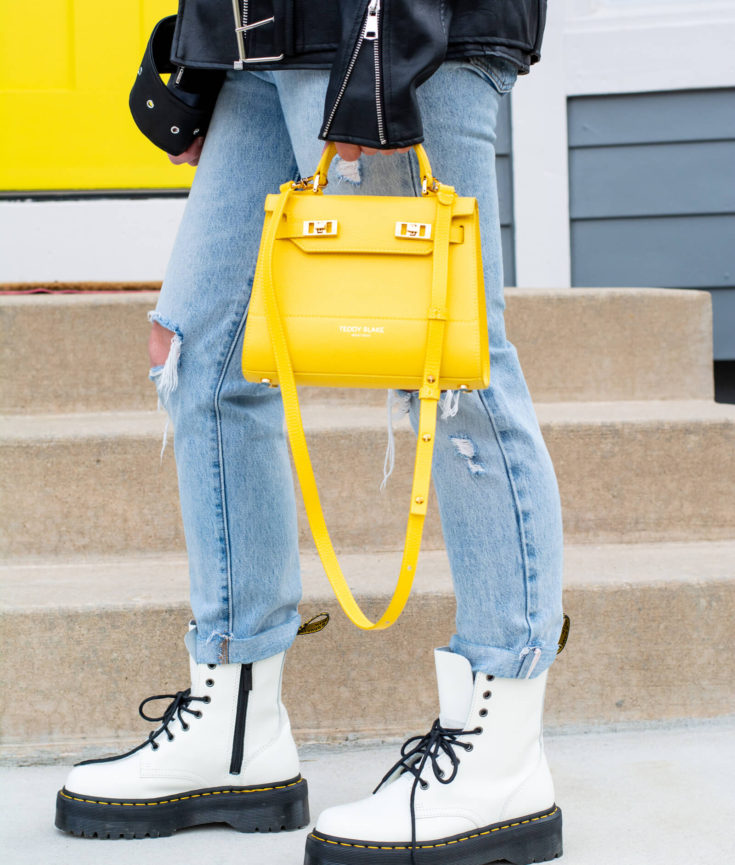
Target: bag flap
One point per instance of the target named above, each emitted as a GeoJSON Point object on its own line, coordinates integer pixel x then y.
{"type": "Point", "coordinates": [367, 224]}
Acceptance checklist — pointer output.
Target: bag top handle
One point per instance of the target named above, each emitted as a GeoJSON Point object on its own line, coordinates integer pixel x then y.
{"type": "Point", "coordinates": [318, 180]}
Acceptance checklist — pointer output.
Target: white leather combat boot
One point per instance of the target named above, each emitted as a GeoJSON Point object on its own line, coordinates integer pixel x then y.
{"type": "Point", "coordinates": [222, 754]}
{"type": "Point", "coordinates": [475, 790]}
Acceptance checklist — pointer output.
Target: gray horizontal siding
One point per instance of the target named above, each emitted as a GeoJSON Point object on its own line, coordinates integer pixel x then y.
{"type": "Point", "coordinates": [503, 143]}
{"type": "Point", "coordinates": [648, 118]}
{"type": "Point", "coordinates": [723, 314]}
{"type": "Point", "coordinates": [641, 180]}
{"type": "Point", "coordinates": [670, 252]}
{"type": "Point", "coordinates": [652, 195]}
{"type": "Point", "coordinates": [504, 171]}
{"type": "Point", "coordinates": [509, 272]}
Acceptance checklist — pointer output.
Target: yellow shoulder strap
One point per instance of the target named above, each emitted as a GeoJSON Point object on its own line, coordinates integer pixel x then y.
{"type": "Point", "coordinates": [429, 395]}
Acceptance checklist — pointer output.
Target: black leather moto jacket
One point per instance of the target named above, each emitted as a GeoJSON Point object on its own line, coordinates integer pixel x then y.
{"type": "Point", "coordinates": [379, 51]}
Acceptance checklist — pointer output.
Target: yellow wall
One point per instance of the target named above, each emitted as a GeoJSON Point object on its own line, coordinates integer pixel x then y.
{"type": "Point", "coordinates": [66, 69]}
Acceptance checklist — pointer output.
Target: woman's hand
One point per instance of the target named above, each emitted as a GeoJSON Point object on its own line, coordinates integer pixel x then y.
{"type": "Point", "coordinates": [191, 155]}
{"type": "Point", "coordinates": [351, 152]}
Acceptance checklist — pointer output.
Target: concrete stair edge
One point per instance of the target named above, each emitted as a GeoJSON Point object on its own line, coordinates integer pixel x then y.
{"type": "Point", "coordinates": [574, 344]}
{"type": "Point", "coordinates": [650, 641]}
{"type": "Point", "coordinates": [637, 471]}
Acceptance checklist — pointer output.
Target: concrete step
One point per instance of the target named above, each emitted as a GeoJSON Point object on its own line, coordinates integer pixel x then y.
{"type": "Point", "coordinates": [84, 641]}
{"type": "Point", "coordinates": [87, 352]}
{"type": "Point", "coordinates": [642, 471]}
{"type": "Point", "coordinates": [590, 771]}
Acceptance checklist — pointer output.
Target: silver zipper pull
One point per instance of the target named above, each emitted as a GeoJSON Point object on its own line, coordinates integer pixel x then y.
{"type": "Point", "coordinates": [371, 22]}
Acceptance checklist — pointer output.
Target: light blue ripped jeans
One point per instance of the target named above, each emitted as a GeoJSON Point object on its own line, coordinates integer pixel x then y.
{"type": "Point", "coordinates": [495, 484]}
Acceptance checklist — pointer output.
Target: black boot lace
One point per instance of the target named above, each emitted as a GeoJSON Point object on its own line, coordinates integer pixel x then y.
{"type": "Point", "coordinates": [417, 751]}
{"type": "Point", "coordinates": [179, 704]}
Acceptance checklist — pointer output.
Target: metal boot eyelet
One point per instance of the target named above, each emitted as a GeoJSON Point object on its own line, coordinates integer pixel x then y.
{"type": "Point", "coordinates": [483, 713]}
{"type": "Point", "coordinates": [469, 747]}
{"type": "Point", "coordinates": [487, 695]}
{"type": "Point", "coordinates": [211, 666]}
{"type": "Point", "coordinates": [424, 784]}
{"type": "Point", "coordinates": [478, 730]}
{"type": "Point", "coordinates": [184, 727]}
{"type": "Point", "coordinates": [489, 678]}
{"type": "Point", "coordinates": [206, 700]}
{"type": "Point", "coordinates": [197, 714]}
{"type": "Point", "coordinates": [209, 683]}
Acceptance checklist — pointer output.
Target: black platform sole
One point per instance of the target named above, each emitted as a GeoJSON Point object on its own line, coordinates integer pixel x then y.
{"type": "Point", "coordinates": [535, 838]}
{"type": "Point", "coordinates": [260, 808]}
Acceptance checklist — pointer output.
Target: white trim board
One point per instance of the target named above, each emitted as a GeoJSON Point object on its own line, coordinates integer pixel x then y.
{"type": "Point", "coordinates": [619, 11]}
{"type": "Point", "coordinates": [540, 166]}
{"type": "Point", "coordinates": [640, 57]}
{"type": "Point", "coordinates": [101, 240]}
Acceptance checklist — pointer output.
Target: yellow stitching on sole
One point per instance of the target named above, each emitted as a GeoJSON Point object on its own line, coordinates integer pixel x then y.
{"type": "Point", "coordinates": [182, 798]}
{"type": "Point", "coordinates": [443, 843]}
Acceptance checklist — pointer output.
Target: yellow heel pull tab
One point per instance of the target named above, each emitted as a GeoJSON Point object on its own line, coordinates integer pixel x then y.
{"type": "Point", "coordinates": [315, 624]}
{"type": "Point", "coordinates": [564, 636]}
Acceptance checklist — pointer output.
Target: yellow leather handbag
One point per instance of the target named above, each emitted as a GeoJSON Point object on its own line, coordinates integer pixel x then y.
{"type": "Point", "coordinates": [368, 291]}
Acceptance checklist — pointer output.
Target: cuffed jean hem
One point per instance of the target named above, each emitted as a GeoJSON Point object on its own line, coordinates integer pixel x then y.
{"type": "Point", "coordinates": [220, 648]}
{"type": "Point", "coordinates": [504, 663]}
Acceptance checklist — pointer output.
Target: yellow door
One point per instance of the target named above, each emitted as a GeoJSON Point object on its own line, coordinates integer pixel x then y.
{"type": "Point", "coordinates": [66, 69]}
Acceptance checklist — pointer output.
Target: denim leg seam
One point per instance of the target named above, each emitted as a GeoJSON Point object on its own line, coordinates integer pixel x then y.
{"type": "Point", "coordinates": [519, 512]}
{"type": "Point", "coordinates": [220, 454]}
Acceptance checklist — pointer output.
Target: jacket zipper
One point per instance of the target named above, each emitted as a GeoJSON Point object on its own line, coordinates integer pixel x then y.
{"type": "Point", "coordinates": [240, 35]}
{"type": "Point", "coordinates": [238, 741]}
{"type": "Point", "coordinates": [370, 32]}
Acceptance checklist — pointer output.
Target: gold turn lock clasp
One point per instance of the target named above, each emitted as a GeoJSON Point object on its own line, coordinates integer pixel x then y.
{"type": "Point", "coordinates": [414, 230]}
{"type": "Point", "coordinates": [314, 227]}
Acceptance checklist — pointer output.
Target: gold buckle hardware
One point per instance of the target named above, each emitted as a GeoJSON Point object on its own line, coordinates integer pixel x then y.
{"type": "Point", "coordinates": [313, 182]}
{"type": "Point", "coordinates": [326, 227]}
{"type": "Point", "coordinates": [414, 230]}
{"type": "Point", "coordinates": [425, 188]}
